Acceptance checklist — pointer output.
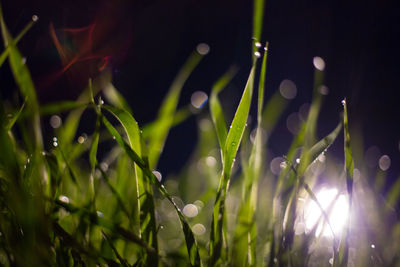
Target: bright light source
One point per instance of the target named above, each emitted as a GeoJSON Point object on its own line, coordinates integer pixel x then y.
{"type": "Point", "coordinates": [335, 205]}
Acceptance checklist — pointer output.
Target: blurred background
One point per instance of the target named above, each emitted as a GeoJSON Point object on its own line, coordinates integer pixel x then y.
{"type": "Point", "coordinates": [144, 44]}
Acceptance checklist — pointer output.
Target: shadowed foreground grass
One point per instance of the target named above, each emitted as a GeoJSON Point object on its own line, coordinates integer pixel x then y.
{"type": "Point", "coordinates": [65, 204]}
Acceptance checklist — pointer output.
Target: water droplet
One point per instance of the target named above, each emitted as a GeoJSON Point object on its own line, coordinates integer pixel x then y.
{"type": "Point", "coordinates": [321, 157]}
{"type": "Point", "coordinates": [63, 198]}
{"type": "Point", "coordinates": [198, 229]}
{"type": "Point", "coordinates": [319, 63]}
{"type": "Point", "coordinates": [23, 60]}
{"type": "Point", "coordinates": [257, 54]}
{"type": "Point", "coordinates": [297, 160]}
{"type": "Point", "coordinates": [283, 165]}
{"type": "Point", "coordinates": [55, 144]}
{"type": "Point", "coordinates": [265, 48]}
{"type": "Point", "coordinates": [203, 49]}
{"type": "Point", "coordinates": [343, 102]}
{"type": "Point", "coordinates": [384, 162]}
{"type": "Point", "coordinates": [199, 204]}
{"type": "Point", "coordinates": [331, 261]}
{"type": "Point", "coordinates": [114, 137]}
{"type": "Point", "coordinates": [288, 89]}
{"type": "Point", "coordinates": [258, 44]}
{"type": "Point", "coordinates": [81, 139]}
{"type": "Point", "coordinates": [372, 246]}
{"type": "Point", "coordinates": [190, 210]}
{"type": "Point", "coordinates": [230, 127]}
{"type": "Point", "coordinates": [55, 121]}
{"type": "Point", "coordinates": [198, 99]}
{"type": "Point", "coordinates": [104, 166]}
{"type": "Point", "coordinates": [323, 89]}
{"type": "Point", "coordinates": [276, 165]}
{"type": "Point", "coordinates": [158, 175]}
{"type": "Point", "coordinates": [211, 161]}
{"type": "Point", "coordinates": [100, 214]}
{"type": "Point", "coordinates": [35, 18]}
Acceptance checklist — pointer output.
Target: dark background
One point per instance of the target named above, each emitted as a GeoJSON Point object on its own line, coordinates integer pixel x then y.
{"type": "Point", "coordinates": [148, 41]}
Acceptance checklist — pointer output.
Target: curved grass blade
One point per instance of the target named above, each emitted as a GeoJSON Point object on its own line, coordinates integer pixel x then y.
{"type": "Point", "coordinates": [58, 107]}
{"type": "Point", "coordinates": [229, 153]}
{"type": "Point", "coordinates": [122, 261]}
{"type": "Point", "coordinates": [245, 236]}
{"type": "Point", "coordinates": [216, 108]}
{"type": "Point", "coordinates": [15, 117]}
{"type": "Point", "coordinates": [342, 256]}
{"type": "Point", "coordinates": [191, 243]}
{"type": "Point", "coordinates": [168, 108]}
{"type": "Point", "coordinates": [24, 81]}
{"type": "Point", "coordinates": [115, 97]}
{"type": "Point", "coordinates": [4, 54]}
{"type": "Point", "coordinates": [144, 205]}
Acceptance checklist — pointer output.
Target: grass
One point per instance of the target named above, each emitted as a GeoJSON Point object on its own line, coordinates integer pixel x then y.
{"type": "Point", "coordinates": [67, 204]}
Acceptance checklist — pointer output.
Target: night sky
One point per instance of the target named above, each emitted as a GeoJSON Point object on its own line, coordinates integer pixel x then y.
{"type": "Point", "coordinates": [148, 41]}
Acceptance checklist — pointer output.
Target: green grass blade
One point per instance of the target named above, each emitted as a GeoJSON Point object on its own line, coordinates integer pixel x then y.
{"type": "Point", "coordinates": [245, 236]}
{"type": "Point", "coordinates": [24, 81]}
{"type": "Point", "coordinates": [58, 107]}
{"type": "Point", "coordinates": [167, 111]}
{"type": "Point", "coordinates": [341, 258]}
{"type": "Point", "coordinates": [216, 112]}
{"type": "Point", "coordinates": [15, 116]}
{"type": "Point", "coordinates": [4, 54]}
{"type": "Point", "coordinates": [191, 243]}
{"type": "Point", "coordinates": [229, 153]}
{"type": "Point", "coordinates": [115, 98]}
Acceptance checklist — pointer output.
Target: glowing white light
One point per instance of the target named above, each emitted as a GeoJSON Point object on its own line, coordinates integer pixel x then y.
{"type": "Point", "coordinates": [319, 63]}
{"type": "Point", "coordinates": [257, 54]}
{"type": "Point", "coordinates": [190, 210]}
{"type": "Point", "coordinates": [258, 44]}
{"type": "Point", "coordinates": [35, 18]}
{"type": "Point", "coordinates": [338, 215]}
{"type": "Point", "coordinates": [203, 49]}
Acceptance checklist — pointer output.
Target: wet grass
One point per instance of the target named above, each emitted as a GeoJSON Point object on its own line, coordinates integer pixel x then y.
{"type": "Point", "coordinates": [67, 204]}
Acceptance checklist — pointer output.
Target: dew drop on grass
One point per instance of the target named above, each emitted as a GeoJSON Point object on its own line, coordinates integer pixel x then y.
{"type": "Point", "coordinates": [211, 161]}
{"type": "Point", "coordinates": [158, 175]}
{"type": "Point", "coordinates": [104, 166]}
{"type": "Point", "coordinates": [81, 139]}
{"type": "Point", "coordinates": [258, 44]}
{"type": "Point", "coordinates": [100, 214]}
{"type": "Point", "coordinates": [55, 144]}
{"type": "Point", "coordinates": [63, 198]}
{"type": "Point", "coordinates": [35, 18]}
{"type": "Point", "coordinates": [331, 261]}
{"type": "Point", "coordinates": [288, 89]}
{"type": "Point", "coordinates": [384, 162]}
{"type": "Point", "coordinates": [23, 60]}
{"type": "Point", "coordinates": [323, 89]}
{"type": "Point", "coordinates": [343, 102]}
{"type": "Point", "coordinates": [257, 54]}
{"type": "Point", "coordinates": [276, 165]}
{"type": "Point", "coordinates": [198, 229]}
{"type": "Point", "coordinates": [55, 139]}
{"type": "Point", "coordinates": [283, 165]}
{"type": "Point", "coordinates": [198, 99]}
{"type": "Point", "coordinates": [319, 63]}
{"type": "Point", "coordinates": [203, 49]}
{"type": "Point", "coordinates": [372, 246]}
{"type": "Point", "coordinates": [55, 121]}
{"type": "Point", "coordinates": [297, 160]}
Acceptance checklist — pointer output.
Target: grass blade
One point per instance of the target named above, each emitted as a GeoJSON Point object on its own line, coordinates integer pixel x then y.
{"type": "Point", "coordinates": [216, 108]}
{"type": "Point", "coordinates": [341, 258]}
{"type": "Point", "coordinates": [191, 243]}
{"type": "Point", "coordinates": [244, 246]}
{"type": "Point", "coordinates": [229, 153]}
{"type": "Point", "coordinates": [167, 111]}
